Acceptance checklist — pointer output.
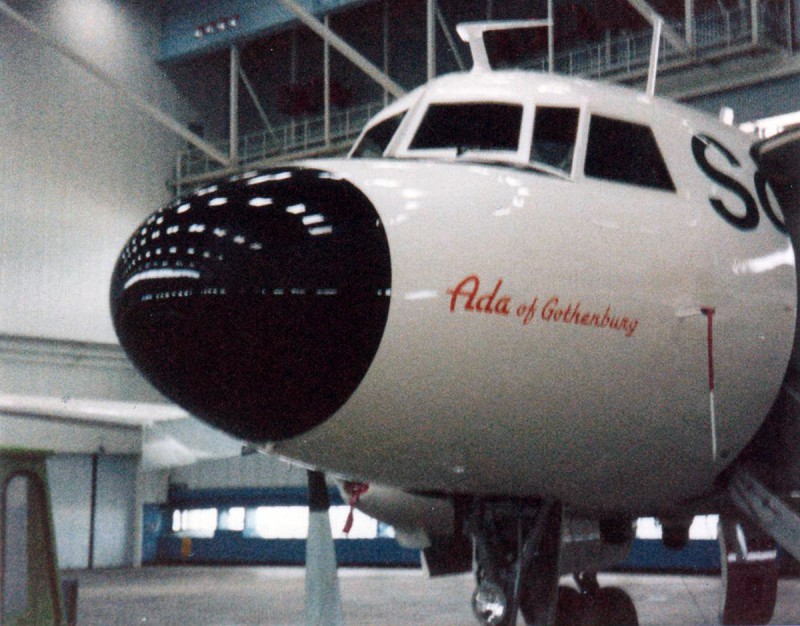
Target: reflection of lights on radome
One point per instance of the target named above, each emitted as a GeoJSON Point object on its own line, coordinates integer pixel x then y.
{"type": "Point", "coordinates": [265, 178]}
{"type": "Point", "coordinates": [316, 218]}
{"type": "Point", "coordinates": [296, 209]}
{"type": "Point", "coordinates": [197, 228]}
{"type": "Point", "coordinates": [183, 208]}
{"type": "Point", "coordinates": [220, 201]}
{"type": "Point", "coordinates": [766, 263]}
{"type": "Point", "coordinates": [259, 202]}
{"type": "Point", "coordinates": [320, 230]}
{"type": "Point", "coordinates": [161, 274]}
{"type": "Point", "coordinates": [206, 190]}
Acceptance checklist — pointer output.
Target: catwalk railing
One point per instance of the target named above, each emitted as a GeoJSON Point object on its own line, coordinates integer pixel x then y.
{"type": "Point", "coordinates": [303, 135]}
{"type": "Point", "coordinates": [716, 33]}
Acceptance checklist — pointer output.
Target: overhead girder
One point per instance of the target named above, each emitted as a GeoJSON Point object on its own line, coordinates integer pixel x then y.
{"type": "Point", "coordinates": [344, 48]}
{"type": "Point", "coordinates": [652, 16]}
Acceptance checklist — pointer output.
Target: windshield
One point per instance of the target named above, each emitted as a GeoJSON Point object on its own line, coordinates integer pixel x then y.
{"type": "Point", "coordinates": [470, 126]}
{"type": "Point", "coordinates": [376, 139]}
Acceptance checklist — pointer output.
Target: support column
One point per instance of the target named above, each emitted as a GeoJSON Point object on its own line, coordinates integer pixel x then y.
{"type": "Point", "coordinates": [385, 48]}
{"type": "Point", "coordinates": [92, 510]}
{"type": "Point", "coordinates": [431, 40]}
{"type": "Point", "coordinates": [326, 48]}
{"type": "Point", "coordinates": [689, 22]}
{"type": "Point", "coordinates": [233, 128]}
{"type": "Point", "coordinates": [138, 516]}
{"type": "Point", "coordinates": [550, 38]}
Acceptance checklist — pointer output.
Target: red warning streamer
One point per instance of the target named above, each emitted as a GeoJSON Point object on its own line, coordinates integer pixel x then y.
{"type": "Point", "coordinates": [355, 491]}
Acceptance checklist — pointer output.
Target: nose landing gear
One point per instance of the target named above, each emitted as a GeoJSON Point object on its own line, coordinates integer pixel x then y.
{"type": "Point", "coordinates": [518, 545]}
{"type": "Point", "coordinates": [518, 550]}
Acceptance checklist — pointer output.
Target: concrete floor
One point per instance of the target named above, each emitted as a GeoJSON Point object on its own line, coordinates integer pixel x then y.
{"type": "Point", "coordinates": [274, 595]}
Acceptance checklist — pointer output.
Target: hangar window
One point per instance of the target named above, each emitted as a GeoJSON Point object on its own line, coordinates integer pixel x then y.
{"type": "Point", "coordinates": [195, 522]}
{"type": "Point", "coordinates": [554, 132]}
{"type": "Point", "coordinates": [377, 138]}
{"type": "Point", "coordinates": [470, 126]}
{"type": "Point", "coordinates": [291, 522]}
{"type": "Point", "coordinates": [625, 152]}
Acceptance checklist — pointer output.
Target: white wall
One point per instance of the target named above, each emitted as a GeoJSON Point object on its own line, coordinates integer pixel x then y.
{"type": "Point", "coordinates": [257, 470]}
{"type": "Point", "coordinates": [79, 167]}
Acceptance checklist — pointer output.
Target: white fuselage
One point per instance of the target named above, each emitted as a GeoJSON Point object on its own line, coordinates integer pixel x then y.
{"type": "Point", "coordinates": [545, 334]}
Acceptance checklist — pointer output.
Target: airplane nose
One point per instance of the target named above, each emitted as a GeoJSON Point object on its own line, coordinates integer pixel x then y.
{"type": "Point", "coordinates": [257, 303]}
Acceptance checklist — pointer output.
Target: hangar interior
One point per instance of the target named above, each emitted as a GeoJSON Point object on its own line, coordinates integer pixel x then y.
{"type": "Point", "coordinates": [134, 479]}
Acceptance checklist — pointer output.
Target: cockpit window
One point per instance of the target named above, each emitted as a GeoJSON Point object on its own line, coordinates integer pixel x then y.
{"type": "Point", "coordinates": [627, 153]}
{"type": "Point", "coordinates": [376, 139]}
{"type": "Point", "coordinates": [554, 132]}
{"type": "Point", "coordinates": [470, 126]}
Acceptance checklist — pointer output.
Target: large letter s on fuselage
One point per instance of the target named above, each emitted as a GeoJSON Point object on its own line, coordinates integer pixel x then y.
{"type": "Point", "coordinates": [748, 221]}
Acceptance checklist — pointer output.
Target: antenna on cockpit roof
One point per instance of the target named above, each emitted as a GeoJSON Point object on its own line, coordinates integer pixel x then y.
{"type": "Point", "coordinates": [472, 33]}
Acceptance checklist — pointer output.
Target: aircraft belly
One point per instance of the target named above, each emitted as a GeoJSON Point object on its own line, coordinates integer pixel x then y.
{"type": "Point", "coordinates": [545, 338]}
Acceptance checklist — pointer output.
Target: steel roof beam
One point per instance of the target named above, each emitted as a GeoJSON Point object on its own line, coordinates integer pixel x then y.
{"type": "Point", "coordinates": [344, 48]}
{"type": "Point", "coordinates": [652, 16]}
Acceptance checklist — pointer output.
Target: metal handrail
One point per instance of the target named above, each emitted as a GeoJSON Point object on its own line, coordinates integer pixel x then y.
{"type": "Point", "coordinates": [296, 136]}
{"type": "Point", "coordinates": [715, 32]}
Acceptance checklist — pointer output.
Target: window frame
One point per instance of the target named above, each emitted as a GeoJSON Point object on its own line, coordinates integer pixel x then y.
{"type": "Point", "coordinates": [400, 116]}
{"type": "Point", "coordinates": [633, 121]}
{"type": "Point", "coordinates": [417, 115]}
{"type": "Point", "coordinates": [581, 137]}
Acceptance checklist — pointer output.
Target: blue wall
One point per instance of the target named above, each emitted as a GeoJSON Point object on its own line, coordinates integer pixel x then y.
{"type": "Point", "coordinates": [228, 547]}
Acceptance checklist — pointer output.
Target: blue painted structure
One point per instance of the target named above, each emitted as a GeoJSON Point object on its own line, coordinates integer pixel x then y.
{"type": "Point", "coordinates": [229, 548]}
{"type": "Point", "coordinates": [254, 18]}
{"type": "Point", "coordinates": [162, 546]}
